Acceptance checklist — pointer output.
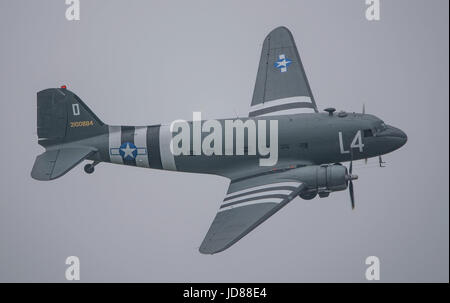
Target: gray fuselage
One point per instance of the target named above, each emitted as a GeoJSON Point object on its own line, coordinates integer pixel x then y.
{"type": "Point", "coordinates": [303, 139]}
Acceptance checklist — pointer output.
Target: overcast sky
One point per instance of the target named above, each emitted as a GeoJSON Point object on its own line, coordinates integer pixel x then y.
{"type": "Point", "coordinates": [146, 62]}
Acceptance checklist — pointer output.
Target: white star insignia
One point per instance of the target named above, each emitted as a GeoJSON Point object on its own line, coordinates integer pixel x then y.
{"type": "Point", "coordinates": [282, 63]}
{"type": "Point", "coordinates": [128, 151]}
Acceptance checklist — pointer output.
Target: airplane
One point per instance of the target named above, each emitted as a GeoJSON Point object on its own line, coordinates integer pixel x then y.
{"type": "Point", "coordinates": [310, 145]}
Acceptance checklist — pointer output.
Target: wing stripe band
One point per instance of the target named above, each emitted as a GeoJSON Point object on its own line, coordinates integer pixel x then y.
{"type": "Point", "coordinates": [250, 203]}
{"type": "Point", "coordinates": [262, 187]}
{"type": "Point", "coordinates": [282, 101]}
{"type": "Point", "coordinates": [271, 191]}
{"type": "Point", "coordinates": [280, 108]}
{"type": "Point", "coordinates": [282, 197]}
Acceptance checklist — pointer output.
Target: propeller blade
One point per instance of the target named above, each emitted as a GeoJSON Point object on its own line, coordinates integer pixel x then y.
{"type": "Point", "coordinates": [351, 160]}
{"type": "Point", "coordinates": [352, 195]}
{"type": "Point", "coordinates": [350, 184]}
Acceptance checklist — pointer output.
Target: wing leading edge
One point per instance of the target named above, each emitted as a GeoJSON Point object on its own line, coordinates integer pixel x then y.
{"type": "Point", "coordinates": [281, 84]}
{"type": "Point", "coordinates": [248, 203]}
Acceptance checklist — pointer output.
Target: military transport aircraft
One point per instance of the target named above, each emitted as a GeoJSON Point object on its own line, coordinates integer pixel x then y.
{"type": "Point", "coordinates": [309, 146]}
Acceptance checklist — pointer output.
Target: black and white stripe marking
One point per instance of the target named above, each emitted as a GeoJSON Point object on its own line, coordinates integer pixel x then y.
{"type": "Point", "coordinates": [269, 193]}
{"type": "Point", "coordinates": [127, 136]}
{"type": "Point", "coordinates": [115, 140]}
{"type": "Point", "coordinates": [293, 105]}
{"type": "Point", "coordinates": [147, 142]}
{"type": "Point", "coordinates": [165, 139]}
{"type": "Point", "coordinates": [140, 139]}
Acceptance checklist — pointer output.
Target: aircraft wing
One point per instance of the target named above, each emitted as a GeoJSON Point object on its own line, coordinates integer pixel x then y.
{"type": "Point", "coordinates": [281, 85]}
{"type": "Point", "coordinates": [248, 203]}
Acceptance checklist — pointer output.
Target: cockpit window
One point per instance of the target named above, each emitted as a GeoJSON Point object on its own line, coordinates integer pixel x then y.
{"type": "Point", "coordinates": [380, 127]}
{"type": "Point", "coordinates": [368, 133]}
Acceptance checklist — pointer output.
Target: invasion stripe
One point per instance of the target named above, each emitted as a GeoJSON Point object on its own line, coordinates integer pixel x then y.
{"type": "Point", "coordinates": [114, 141]}
{"type": "Point", "coordinates": [165, 139]}
{"type": "Point", "coordinates": [140, 140]}
{"type": "Point", "coordinates": [296, 99]}
{"type": "Point", "coordinates": [291, 111]}
{"type": "Point", "coordinates": [264, 190]}
{"type": "Point", "coordinates": [265, 186]}
{"type": "Point", "coordinates": [251, 203]}
{"type": "Point", "coordinates": [128, 136]}
{"type": "Point", "coordinates": [154, 154]}
{"type": "Point", "coordinates": [282, 107]}
{"type": "Point", "coordinates": [259, 194]}
{"type": "Point", "coordinates": [282, 197]}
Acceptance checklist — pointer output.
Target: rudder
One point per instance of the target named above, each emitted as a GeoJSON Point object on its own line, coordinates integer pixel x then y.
{"type": "Point", "coordinates": [62, 117]}
{"type": "Point", "coordinates": [63, 121]}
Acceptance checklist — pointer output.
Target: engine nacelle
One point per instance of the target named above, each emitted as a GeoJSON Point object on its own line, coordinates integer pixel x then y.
{"type": "Point", "coordinates": [322, 179]}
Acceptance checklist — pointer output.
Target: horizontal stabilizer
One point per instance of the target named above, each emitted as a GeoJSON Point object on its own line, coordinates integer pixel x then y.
{"type": "Point", "coordinates": [55, 163]}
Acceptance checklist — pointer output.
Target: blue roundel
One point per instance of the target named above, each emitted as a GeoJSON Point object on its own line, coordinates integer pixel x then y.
{"type": "Point", "coordinates": [128, 151]}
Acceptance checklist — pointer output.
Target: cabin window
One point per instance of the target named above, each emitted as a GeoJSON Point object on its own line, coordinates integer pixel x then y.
{"type": "Point", "coordinates": [368, 133]}
{"type": "Point", "coordinates": [303, 145]}
{"type": "Point", "coordinates": [284, 146]}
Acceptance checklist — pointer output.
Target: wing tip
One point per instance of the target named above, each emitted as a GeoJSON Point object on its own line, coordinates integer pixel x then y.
{"type": "Point", "coordinates": [280, 29]}
{"type": "Point", "coordinates": [208, 247]}
{"type": "Point", "coordinates": [205, 251]}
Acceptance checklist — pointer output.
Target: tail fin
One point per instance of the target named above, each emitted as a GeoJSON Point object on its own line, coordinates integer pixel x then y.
{"type": "Point", "coordinates": [62, 117]}
{"type": "Point", "coordinates": [62, 120]}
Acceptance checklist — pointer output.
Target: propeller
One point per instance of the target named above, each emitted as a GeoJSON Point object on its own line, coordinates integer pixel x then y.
{"type": "Point", "coordinates": [350, 177]}
{"type": "Point", "coordinates": [352, 195]}
{"type": "Point", "coordinates": [364, 112]}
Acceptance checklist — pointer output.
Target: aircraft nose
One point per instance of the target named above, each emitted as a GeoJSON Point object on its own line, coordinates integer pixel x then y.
{"type": "Point", "coordinates": [397, 132]}
{"type": "Point", "coordinates": [397, 136]}
{"type": "Point", "coordinates": [403, 135]}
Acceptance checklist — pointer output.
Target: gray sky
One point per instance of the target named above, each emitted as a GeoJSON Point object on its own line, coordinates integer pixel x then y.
{"type": "Point", "coordinates": [146, 62]}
